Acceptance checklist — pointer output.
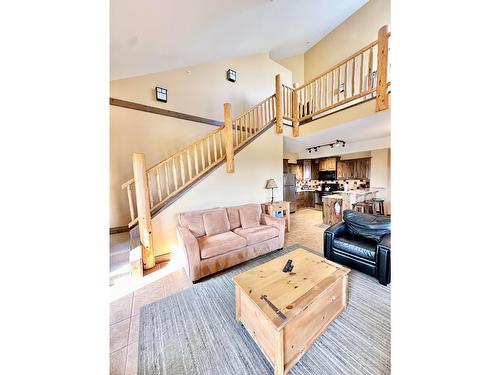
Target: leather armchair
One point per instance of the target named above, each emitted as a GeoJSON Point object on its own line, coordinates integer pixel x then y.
{"type": "Point", "coordinates": [366, 246]}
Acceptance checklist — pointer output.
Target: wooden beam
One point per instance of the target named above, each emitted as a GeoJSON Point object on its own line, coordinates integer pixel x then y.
{"type": "Point", "coordinates": [279, 105]}
{"type": "Point", "coordinates": [163, 112]}
{"type": "Point", "coordinates": [228, 136]}
{"type": "Point", "coordinates": [143, 209]}
{"type": "Point", "coordinates": [295, 111]}
{"type": "Point", "coordinates": [383, 44]}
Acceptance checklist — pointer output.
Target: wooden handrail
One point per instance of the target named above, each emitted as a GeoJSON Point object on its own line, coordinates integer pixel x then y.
{"type": "Point", "coordinates": [336, 66]}
{"type": "Point", "coordinates": [252, 108]}
{"type": "Point", "coordinates": [160, 163]}
{"type": "Point", "coordinates": [163, 112]}
{"type": "Point", "coordinates": [349, 80]}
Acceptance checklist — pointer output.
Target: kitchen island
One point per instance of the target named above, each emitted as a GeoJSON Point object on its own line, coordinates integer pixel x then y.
{"type": "Point", "coordinates": [345, 199]}
{"type": "Point", "coordinates": [351, 197]}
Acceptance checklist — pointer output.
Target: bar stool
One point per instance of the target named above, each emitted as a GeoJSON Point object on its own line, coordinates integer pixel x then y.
{"type": "Point", "coordinates": [377, 206]}
{"type": "Point", "coordinates": [363, 207]}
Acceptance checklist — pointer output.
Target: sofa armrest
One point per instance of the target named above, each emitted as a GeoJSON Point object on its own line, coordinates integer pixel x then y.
{"type": "Point", "coordinates": [329, 235]}
{"type": "Point", "coordinates": [384, 260]}
{"type": "Point", "coordinates": [189, 246]}
{"type": "Point", "coordinates": [385, 242]}
{"type": "Point", "coordinates": [336, 230]}
{"type": "Point", "coordinates": [277, 222]}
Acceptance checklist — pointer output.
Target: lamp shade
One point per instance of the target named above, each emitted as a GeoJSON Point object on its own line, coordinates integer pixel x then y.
{"type": "Point", "coordinates": [271, 184]}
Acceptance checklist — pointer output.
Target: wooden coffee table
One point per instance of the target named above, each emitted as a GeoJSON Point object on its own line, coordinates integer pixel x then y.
{"type": "Point", "coordinates": [286, 312]}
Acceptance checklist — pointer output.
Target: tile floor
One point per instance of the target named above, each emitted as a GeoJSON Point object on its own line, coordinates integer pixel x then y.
{"type": "Point", "coordinates": [124, 311]}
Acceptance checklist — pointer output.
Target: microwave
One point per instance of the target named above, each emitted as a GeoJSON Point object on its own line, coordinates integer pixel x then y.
{"type": "Point", "coordinates": [327, 175]}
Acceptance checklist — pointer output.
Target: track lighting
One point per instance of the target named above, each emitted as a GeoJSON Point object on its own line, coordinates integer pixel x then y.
{"type": "Point", "coordinates": [337, 143]}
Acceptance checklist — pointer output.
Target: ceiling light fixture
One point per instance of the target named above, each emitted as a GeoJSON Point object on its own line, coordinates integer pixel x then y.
{"type": "Point", "coordinates": [336, 143]}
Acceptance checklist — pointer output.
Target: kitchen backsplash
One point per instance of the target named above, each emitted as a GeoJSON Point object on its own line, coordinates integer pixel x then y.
{"type": "Point", "coordinates": [316, 184]}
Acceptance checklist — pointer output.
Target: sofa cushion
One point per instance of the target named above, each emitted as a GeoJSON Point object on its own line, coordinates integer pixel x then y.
{"type": "Point", "coordinates": [218, 244]}
{"type": "Point", "coordinates": [369, 226]}
{"type": "Point", "coordinates": [250, 215]}
{"type": "Point", "coordinates": [258, 234]}
{"type": "Point", "coordinates": [355, 245]}
{"type": "Point", "coordinates": [193, 221]}
{"type": "Point", "coordinates": [233, 214]}
{"type": "Point", "coordinates": [215, 222]}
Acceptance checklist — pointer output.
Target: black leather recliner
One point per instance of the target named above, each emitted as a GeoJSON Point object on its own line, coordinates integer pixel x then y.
{"type": "Point", "coordinates": [362, 242]}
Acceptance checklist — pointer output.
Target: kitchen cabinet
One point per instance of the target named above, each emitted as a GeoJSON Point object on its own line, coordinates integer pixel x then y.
{"type": "Point", "coordinates": [315, 170]}
{"type": "Point", "coordinates": [305, 199]}
{"type": "Point", "coordinates": [286, 167]}
{"type": "Point", "coordinates": [328, 164]}
{"type": "Point", "coordinates": [297, 169]}
{"type": "Point", "coordinates": [340, 170]}
{"type": "Point", "coordinates": [353, 169]}
{"type": "Point", "coordinates": [307, 169]}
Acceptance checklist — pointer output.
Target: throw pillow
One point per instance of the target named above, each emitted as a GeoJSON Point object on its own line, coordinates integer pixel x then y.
{"type": "Point", "coordinates": [250, 216]}
{"type": "Point", "coordinates": [215, 222]}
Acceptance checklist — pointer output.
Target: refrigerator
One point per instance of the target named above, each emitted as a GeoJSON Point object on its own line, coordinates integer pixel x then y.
{"type": "Point", "coordinates": [290, 190]}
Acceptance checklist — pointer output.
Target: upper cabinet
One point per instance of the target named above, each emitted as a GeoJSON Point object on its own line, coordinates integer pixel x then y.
{"type": "Point", "coordinates": [353, 169]}
{"type": "Point", "coordinates": [315, 170]}
{"type": "Point", "coordinates": [297, 169]}
{"type": "Point", "coordinates": [328, 164]}
{"type": "Point", "coordinates": [307, 169]}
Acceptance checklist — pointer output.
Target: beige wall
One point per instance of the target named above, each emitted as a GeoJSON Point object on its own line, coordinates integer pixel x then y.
{"type": "Point", "coordinates": [380, 175]}
{"type": "Point", "coordinates": [296, 65]}
{"type": "Point", "coordinates": [353, 34]}
{"type": "Point", "coordinates": [258, 162]}
{"type": "Point", "coordinates": [202, 93]}
{"type": "Point", "coordinates": [291, 157]}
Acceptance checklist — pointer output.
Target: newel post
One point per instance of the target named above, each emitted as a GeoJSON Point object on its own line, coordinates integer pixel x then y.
{"type": "Point", "coordinates": [382, 101]}
{"type": "Point", "coordinates": [143, 209]}
{"type": "Point", "coordinates": [279, 105]}
{"type": "Point", "coordinates": [295, 122]}
{"type": "Point", "coordinates": [228, 137]}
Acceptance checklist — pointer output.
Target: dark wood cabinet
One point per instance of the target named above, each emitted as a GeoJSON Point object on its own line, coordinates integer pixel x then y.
{"type": "Point", "coordinates": [353, 169]}
{"type": "Point", "coordinates": [305, 199]}
{"type": "Point", "coordinates": [315, 170]}
{"type": "Point", "coordinates": [327, 164]}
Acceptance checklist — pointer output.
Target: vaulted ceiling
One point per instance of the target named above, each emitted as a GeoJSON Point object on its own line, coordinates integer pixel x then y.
{"type": "Point", "coordinates": [154, 35]}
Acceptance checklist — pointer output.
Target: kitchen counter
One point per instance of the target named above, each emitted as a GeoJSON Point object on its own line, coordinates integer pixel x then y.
{"type": "Point", "coordinates": [299, 189]}
{"type": "Point", "coordinates": [351, 197]}
{"type": "Point", "coordinates": [357, 192]}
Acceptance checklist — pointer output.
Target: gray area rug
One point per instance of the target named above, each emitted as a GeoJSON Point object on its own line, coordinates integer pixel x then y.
{"type": "Point", "coordinates": [195, 332]}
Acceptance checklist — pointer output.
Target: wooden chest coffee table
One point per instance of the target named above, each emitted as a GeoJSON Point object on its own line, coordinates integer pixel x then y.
{"type": "Point", "coordinates": [286, 312]}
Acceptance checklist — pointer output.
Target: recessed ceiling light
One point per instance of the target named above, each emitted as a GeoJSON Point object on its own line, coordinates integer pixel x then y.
{"type": "Point", "coordinates": [188, 72]}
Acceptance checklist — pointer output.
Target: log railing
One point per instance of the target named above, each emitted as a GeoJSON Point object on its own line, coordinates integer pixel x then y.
{"type": "Point", "coordinates": [168, 177]}
{"type": "Point", "coordinates": [252, 121]}
{"type": "Point", "coordinates": [357, 77]}
{"type": "Point", "coordinates": [287, 94]}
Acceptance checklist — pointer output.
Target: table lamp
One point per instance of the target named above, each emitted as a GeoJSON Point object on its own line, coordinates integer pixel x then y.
{"type": "Point", "coordinates": [271, 184]}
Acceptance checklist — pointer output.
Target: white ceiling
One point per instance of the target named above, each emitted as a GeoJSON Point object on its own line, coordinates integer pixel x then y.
{"type": "Point", "coordinates": [374, 127]}
{"type": "Point", "coordinates": [153, 35]}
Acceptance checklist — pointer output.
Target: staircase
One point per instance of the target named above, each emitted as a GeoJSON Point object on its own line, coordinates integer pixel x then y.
{"type": "Point", "coordinates": [167, 179]}
{"type": "Point", "coordinates": [350, 81]}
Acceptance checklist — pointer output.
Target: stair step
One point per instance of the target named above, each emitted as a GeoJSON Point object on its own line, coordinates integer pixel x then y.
{"type": "Point", "coordinates": [119, 243]}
